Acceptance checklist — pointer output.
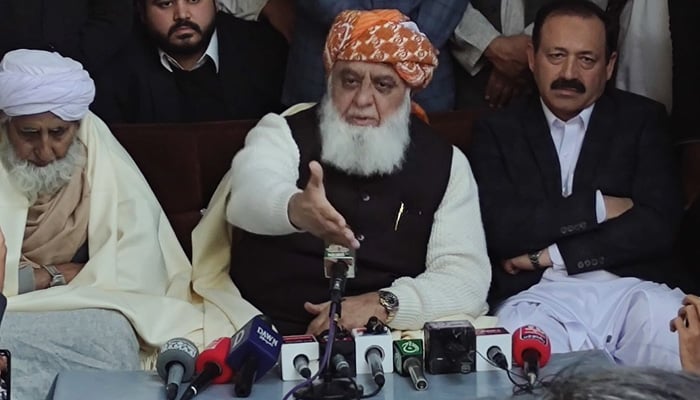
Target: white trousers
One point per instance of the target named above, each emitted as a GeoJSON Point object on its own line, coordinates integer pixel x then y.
{"type": "Point", "coordinates": [627, 317]}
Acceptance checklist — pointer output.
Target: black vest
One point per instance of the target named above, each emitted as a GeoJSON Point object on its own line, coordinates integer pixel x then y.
{"type": "Point", "coordinates": [277, 274]}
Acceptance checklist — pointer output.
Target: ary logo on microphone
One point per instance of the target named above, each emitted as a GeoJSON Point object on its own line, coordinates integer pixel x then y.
{"type": "Point", "coordinates": [267, 337]}
{"type": "Point", "coordinates": [410, 348]}
{"type": "Point", "coordinates": [180, 345]}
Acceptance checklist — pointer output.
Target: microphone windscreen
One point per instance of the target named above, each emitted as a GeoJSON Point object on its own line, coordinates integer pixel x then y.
{"type": "Point", "coordinates": [216, 353]}
{"type": "Point", "coordinates": [531, 337]}
{"type": "Point", "coordinates": [177, 350]}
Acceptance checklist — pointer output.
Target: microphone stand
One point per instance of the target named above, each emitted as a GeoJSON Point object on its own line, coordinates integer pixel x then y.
{"type": "Point", "coordinates": [331, 388]}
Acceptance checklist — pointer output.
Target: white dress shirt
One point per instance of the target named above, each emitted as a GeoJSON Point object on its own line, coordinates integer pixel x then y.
{"type": "Point", "coordinates": [568, 139]}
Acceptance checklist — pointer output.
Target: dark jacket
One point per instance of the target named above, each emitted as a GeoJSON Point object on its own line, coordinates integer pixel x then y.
{"type": "Point", "coordinates": [252, 58]}
{"type": "Point", "coordinates": [89, 31]}
{"type": "Point", "coordinates": [625, 153]}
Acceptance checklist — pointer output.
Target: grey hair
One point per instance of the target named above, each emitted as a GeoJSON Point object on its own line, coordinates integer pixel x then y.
{"type": "Point", "coordinates": [622, 383]}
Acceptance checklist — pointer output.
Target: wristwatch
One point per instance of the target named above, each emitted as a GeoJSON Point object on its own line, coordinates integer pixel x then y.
{"type": "Point", "coordinates": [390, 303]}
{"type": "Point", "coordinates": [57, 278]}
{"type": "Point", "coordinates": [535, 259]}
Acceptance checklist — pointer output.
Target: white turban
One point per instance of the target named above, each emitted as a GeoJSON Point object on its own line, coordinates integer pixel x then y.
{"type": "Point", "coordinates": [36, 81]}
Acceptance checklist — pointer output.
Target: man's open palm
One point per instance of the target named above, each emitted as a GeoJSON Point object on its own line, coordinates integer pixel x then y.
{"type": "Point", "coordinates": [311, 211]}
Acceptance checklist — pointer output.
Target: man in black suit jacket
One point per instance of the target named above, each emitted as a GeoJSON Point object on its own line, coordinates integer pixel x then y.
{"type": "Point", "coordinates": [193, 64]}
{"type": "Point", "coordinates": [579, 199]}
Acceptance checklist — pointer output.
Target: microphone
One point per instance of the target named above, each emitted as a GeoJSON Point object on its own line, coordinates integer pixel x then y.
{"type": "Point", "coordinates": [373, 342]}
{"type": "Point", "coordinates": [496, 345]}
{"type": "Point", "coordinates": [531, 350]}
{"type": "Point", "coordinates": [495, 354]}
{"type": "Point", "coordinates": [374, 357]}
{"type": "Point", "coordinates": [450, 347]}
{"type": "Point", "coordinates": [175, 364]}
{"type": "Point", "coordinates": [338, 267]}
{"type": "Point", "coordinates": [299, 357]}
{"type": "Point", "coordinates": [408, 361]}
{"type": "Point", "coordinates": [254, 351]}
{"type": "Point", "coordinates": [301, 365]}
{"type": "Point", "coordinates": [342, 360]}
{"type": "Point", "coordinates": [341, 366]}
{"type": "Point", "coordinates": [210, 367]}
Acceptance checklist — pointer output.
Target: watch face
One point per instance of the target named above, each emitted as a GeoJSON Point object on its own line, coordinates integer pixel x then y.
{"type": "Point", "coordinates": [389, 299]}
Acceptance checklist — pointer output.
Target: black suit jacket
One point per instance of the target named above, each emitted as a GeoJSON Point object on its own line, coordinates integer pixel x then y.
{"type": "Point", "coordinates": [625, 153]}
{"type": "Point", "coordinates": [90, 31]}
{"type": "Point", "coordinates": [252, 58]}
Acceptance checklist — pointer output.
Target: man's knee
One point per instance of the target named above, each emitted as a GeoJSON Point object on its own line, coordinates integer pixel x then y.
{"type": "Point", "coordinates": [77, 339]}
{"type": "Point", "coordinates": [646, 338]}
{"type": "Point", "coordinates": [651, 310]}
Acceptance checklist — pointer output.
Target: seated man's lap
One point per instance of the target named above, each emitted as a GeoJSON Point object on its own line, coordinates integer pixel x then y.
{"type": "Point", "coordinates": [45, 343]}
{"type": "Point", "coordinates": [630, 322]}
{"type": "Point", "coordinates": [513, 317]}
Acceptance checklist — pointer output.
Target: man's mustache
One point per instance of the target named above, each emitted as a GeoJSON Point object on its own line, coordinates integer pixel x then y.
{"type": "Point", "coordinates": [573, 84]}
{"type": "Point", "coordinates": [185, 23]}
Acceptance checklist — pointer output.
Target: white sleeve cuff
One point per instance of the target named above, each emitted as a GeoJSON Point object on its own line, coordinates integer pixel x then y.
{"type": "Point", "coordinates": [600, 212]}
{"type": "Point", "coordinates": [555, 256]}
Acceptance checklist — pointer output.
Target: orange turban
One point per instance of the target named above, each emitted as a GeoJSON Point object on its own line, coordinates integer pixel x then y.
{"type": "Point", "coordinates": [383, 36]}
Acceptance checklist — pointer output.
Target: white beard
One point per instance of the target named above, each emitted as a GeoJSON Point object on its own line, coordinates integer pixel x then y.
{"type": "Point", "coordinates": [364, 150]}
{"type": "Point", "coordinates": [35, 181]}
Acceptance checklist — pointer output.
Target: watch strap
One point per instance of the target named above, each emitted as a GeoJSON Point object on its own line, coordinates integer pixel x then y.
{"type": "Point", "coordinates": [535, 259]}
{"type": "Point", "coordinates": [57, 278]}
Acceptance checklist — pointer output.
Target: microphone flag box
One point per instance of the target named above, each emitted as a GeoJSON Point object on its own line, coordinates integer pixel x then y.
{"type": "Point", "coordinates": [334, 253]}
{"type": "Point", "coordinates": [404, 349]}
{"type": "Point", "coordinates": [258, 339]}
{"type": "Point", "coordinates": [450, 347]}
{"type": "Point", "coordinates": [296, 345]}
{"type": "Point", "coordinates": [365, 341]}
{"type": "Point", "coordinates": [492, 337]}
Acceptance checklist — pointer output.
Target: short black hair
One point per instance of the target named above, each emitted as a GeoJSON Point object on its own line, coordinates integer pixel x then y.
{"type": "Point", "coordinates": [141, 4]}
{"type": "Point", "coordinates": [576, 8]}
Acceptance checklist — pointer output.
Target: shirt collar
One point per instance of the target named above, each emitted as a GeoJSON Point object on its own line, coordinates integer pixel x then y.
{"type": "Point", "coordinates": [583, 117]}
{"type": "Point", "coordinates": [212, 51]}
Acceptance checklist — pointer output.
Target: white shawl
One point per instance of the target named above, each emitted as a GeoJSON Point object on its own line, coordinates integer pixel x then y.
{"type": "Point", "coordinates": [136, 265]}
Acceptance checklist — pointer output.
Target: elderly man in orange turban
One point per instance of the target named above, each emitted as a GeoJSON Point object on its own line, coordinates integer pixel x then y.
{"type": "Point", "coordinates": [360, 171]}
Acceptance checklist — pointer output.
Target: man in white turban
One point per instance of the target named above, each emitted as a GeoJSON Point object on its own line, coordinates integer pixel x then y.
{"type": "Point", "coordinates": [94, 276]}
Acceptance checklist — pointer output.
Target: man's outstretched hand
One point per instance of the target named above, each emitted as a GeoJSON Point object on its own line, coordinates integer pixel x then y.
{"type": "Point", "coordinates": [311, 211]}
